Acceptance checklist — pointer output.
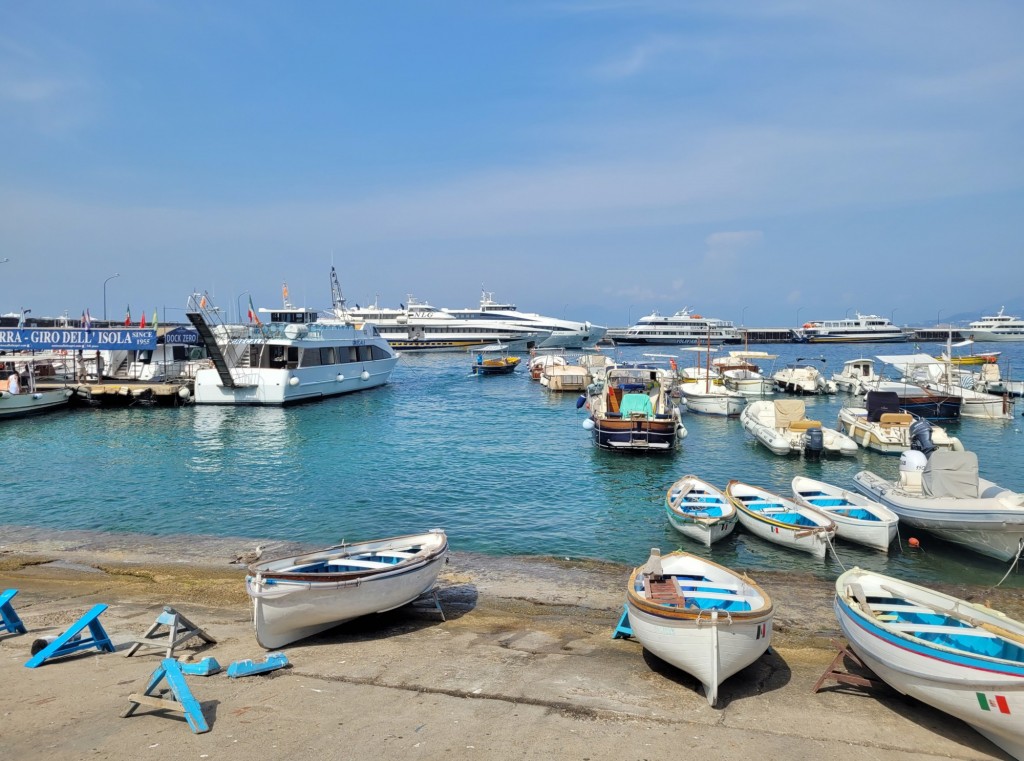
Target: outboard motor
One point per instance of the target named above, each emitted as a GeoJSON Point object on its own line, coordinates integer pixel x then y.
{"type": "Point", "coordinates": [921, 437]}
{"type": "Point", "coordinates": [815, 444]}
{"type": "Point", "coordinates": [912, 465]}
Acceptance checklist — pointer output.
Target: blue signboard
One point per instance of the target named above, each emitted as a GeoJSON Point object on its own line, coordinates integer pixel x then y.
{"type": "Point", "coordinates": [76, 338]}
{"type": "Point", "coordinates": [182, 337]}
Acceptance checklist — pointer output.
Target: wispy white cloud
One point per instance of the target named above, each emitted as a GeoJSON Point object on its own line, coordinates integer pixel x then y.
{"type": "Point", "coordinates": [637, 59]}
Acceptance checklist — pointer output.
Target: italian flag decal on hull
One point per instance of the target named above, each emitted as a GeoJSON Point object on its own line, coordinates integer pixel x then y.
{"type": "Point", "coordinates": [993, 703]}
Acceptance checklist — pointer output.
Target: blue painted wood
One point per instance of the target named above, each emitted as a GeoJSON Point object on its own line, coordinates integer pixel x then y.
{"type": "Point", "coordinates": [193, 711]}
{"type": "Point", "coordinates": [205, 667]}
{"type": "Point", "coordinates": [71, 640]}
{"type": "Point", "coordinates": [9, 620]}
{"type": "Point", "coordinates": [248, 667]}
{"type": "Point", "coordinates": [623, 629]}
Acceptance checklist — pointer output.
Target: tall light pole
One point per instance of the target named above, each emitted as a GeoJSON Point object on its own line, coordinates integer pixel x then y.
{"type": "Point", "coordinates": [116, 274]}
{"type": "Point", "coordinates": [238, 303]}
{"type": "Point", "coordinates": [743, 316]}
{"type": "Point", "coordinates": [629, 316]}
{"type": "Point", "coordinates": [938, 318]}
{"type": "Point", "coordinates": [848, 312]}
{"type": "Point", "coordinates": [892, 315]}
{"type": "Point", "coordinates": [798, 311]}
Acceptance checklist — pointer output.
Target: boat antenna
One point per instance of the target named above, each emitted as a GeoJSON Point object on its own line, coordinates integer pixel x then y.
{"type": "Point", "coordinates": [337, 298]}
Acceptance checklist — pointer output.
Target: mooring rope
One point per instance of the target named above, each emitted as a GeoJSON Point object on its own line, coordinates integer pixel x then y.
{"type": "Point", "coordinates": [834, 553]}
{"type": "Point", "coordinates": [1016, 559]}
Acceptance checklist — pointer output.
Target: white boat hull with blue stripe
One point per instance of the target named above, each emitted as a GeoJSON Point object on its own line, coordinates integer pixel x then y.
{"type": "Point", "coordinates": [959, 657]}
{"type": "Point", "coordinates": [781, 520]}
{"type": "Point", "coordinates": [857, 518]}
{"type": "Point", "coordinates": [699, 511]}
{"type": "Point", "coordinates": [300, 596]}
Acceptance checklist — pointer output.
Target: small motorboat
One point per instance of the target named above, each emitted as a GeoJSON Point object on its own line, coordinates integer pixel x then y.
{"type": "Point", "coordinates": [782, 426]}
{"type": "Point", "coordinates": [882, 426]}
{"type": "Point", "coordinates": [943, 494]}
{"type": "Point", "coordinates": [297, 597]}
{"type": "Point", "coordinates": [698, 510]}
{"type": "Point", "coordinates": [21, 398]}
{"type": "Point", "coordinates": [781, 520]}
{"type": "Point", "coordinates": [856, 375]}
{"type": "Point", "coordinates": [804, 379]}
{"type": "Point", "coordinates": [633, 411]}
{"type": "Point", "coordinates": [739, 373]}
{"type": "Point", "coordinates": [857, 518]}
{"type": "Point", "coordinates": [700, 617]}
{"type": "Point", "coordinates": [962, 658]}
{"type": "Point", "coordinates": [488, 364]}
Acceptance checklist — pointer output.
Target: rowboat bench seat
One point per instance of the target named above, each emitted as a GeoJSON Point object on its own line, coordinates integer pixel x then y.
{"type": "Point", "coordinates": [692, 584]}
{"type": "Point", "coordinates": [898, 608]}
{"type": "Point", "coordinates": [959, 631]}
{"type": "Point", "coordinates": [353, 564]}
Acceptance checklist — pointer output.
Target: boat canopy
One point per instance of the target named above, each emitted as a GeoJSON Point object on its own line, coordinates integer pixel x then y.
{"type": "Point", "coordinates": [880, 402]}
{"type": "Point", "coordinates": [952, 475]}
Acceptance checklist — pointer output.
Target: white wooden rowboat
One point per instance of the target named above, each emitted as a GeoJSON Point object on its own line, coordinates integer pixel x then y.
{"type": "Point", "coordinates": [857, 518]}
{"type": "Point", "coordinates": [959, 657]}
{"type": "Point", "coordinates": [701, 617]}
{"type": "Point", "coordinates": [300, 596]}
{"type": "Point", "coordinates": [781, 520]}
{"type": "Point", "coordinates": [698, 510]}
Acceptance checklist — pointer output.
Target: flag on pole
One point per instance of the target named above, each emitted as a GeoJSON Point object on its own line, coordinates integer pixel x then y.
{"type": "Point", "coordinates": [252, 313]}
{"type": "Point", "coordinates": [86, 320]}
{"type": "Point", "coordinates": [142, 322]}
{"type": "Point", "coordinates": [284, 292]}
{"type": "Point", "coordinates": [128, 316]}
{"type": "Point", "coordinates": [202, 302]}
{"type": "Point", "coordinates": [156, 318]}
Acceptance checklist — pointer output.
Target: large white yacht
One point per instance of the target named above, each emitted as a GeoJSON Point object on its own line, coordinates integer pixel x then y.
{"type": "Point", "coordinates": [565, 334]}
{"type": "Point", "coordinates": [293, 357]}
{"type": "Point", "coordinates": [864, 328]}
{"type": "Point", "coordinates": [682, 328]}
{"type": "Point", "coordinates": [997, 327]}
{"type": "Point", "coordinates": [420, 327]}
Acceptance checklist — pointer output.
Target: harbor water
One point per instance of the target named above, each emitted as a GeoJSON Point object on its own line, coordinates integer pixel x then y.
{"type": "Point", "coordinates": [503, 465]}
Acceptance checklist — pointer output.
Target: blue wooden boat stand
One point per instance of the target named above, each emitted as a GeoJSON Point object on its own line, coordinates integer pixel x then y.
{"type": "Point", "coordinates": [9, 620]}
{"type": "Point", "coordinates": [622, 629]}
{"type": "Point", "coordinates": [74, 639]}
{"type": "Point", "coordinates": [273, 662]}
{"type": "Point", "coordinates": [181, 699]}
{"type": "Point", "coordinates": [179, 631]}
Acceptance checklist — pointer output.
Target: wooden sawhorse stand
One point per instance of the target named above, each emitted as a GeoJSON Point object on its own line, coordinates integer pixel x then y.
{"type": "Point", "coordinates": [836, 673]}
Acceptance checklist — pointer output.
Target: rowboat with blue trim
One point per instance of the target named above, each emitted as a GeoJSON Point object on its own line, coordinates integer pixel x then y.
{"type": "Point", "coordinates": [781, 520]}
{"type": "Point", "coordinates": [699, 616]}
{"type": "Point", "coordinates": [297, 597]}
{"type": "Point", "coordinates": [959, 657]}
{"type": "Point", "coordinates": [857, 518]}
{"type": "Point", "coordinates": [698, 510]}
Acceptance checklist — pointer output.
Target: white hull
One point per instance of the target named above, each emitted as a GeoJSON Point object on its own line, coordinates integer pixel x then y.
{"type": "Point", "coordinates": [264, 386]}
{"type": "Point", "coordinates": [990, 335]}
{"type": "Point", "coordinates": [699, 511]}
{"type": "Point", "coordinates": [769, 524]}
{"type": "Point", "coordinates": [758, 419]}
{"type": "Point", "coordinates": [286, 610]}
{"type": "Point", "coordinates": [841, 506]}
{"type": "Point", "coordinates": [986, 525]}
{"type": "Point", "coordinates": [889, 438]}
{"type": "Point", "coordinates": [985, 692]}
{"type": "Point", "coordinates": [714, 401]}
{"type": "Point", "coordinates": [24, 404]}
{"type": "Point", "coordinates": [707, 643]}
{"type": "Point", "coordinates": [751, 384]}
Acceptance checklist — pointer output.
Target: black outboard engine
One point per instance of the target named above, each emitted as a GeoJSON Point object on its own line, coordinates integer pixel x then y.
{"type": "Point", "coordinates": [815, 444]}
{"type": "Point", "coordinates": [921, 437]}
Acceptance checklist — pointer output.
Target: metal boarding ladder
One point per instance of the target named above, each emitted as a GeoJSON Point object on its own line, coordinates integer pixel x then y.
{"type": "Point", "coordinates": [213, 348]}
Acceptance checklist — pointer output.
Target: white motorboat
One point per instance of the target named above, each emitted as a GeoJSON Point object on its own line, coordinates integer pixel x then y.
{"type": "Point", "coordinates": [699, 616]}
{"type": "Point", "coordinates": [709, 399]}
{"type": "Point", "coordinates": [292, 358]}
{"type": "Point", "coordinates": [880, 425]}
{"type": "Point", "coordinates": [782, 426]}
{"type": "Point", "coordinates": [864, 328]}
{"type": "Point", "coordinates": [698, 510]}
{"type": "Point", "coordinates": [856, 376]}
{"type": "Point", "coordinates": [857, 518]}
{"type": "Point", "coordinates": [944, 495]}
{"type": "Point", "coordinates": [997, 327]}
{"type": "Point", "coordinates": [740, 373]}
{"type": "Point", "coordinates": [780, 520]}
{"type": "Point", "coordinates": [30, 401]}
{"type": "Point", "coordinates": [297, 597]}
{"type": "Point", "coordinates": [960, 657]}
{"type": "Point", "coordinates": [633, 411]}
{"type": "Point", "coordinates": [803, 379]}
{"type": "Point", "coordinates": [564, 334]}
{"type": "Point", "coordinates": [944, 378]}
{"type": "Point", "coordinates": [565, 376]}
{"type": "Point", "coordinates": [682, 328]}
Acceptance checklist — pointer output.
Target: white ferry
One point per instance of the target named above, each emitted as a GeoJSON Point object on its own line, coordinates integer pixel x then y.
{"type": "Point", "coordinates": [565, 334]}
{"type": "Point", "coordinates": [683, 328]}
{"type": "Point", "coordinates": [291, 358]}
{"type": "Point", "coordinates": [864, 328]}
{"type": "Point", "coordinates": [997, 327]}
{"type": "Point", "coordinates": [420, 327]}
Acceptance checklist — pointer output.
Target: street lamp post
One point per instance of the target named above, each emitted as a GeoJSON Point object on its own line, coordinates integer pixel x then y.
{"type": "Point", "coordinates": [629, 316]}
{"type": "Point", "coordinates": [743, 316]}
{"type": "Point", "coordinates": [116, 274]}
{"type": "Point", "coordinates": [798, 311]}
{"type": "Point", "coordinates": [892, 315]}
{"type": "Point", "coordinates": [938, 318]}
{"type": "Point", "coordinates": [238, 303]}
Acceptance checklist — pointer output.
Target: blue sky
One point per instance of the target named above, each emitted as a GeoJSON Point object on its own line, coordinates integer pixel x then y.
{"type": "Point", "coordinates": [764, 161]}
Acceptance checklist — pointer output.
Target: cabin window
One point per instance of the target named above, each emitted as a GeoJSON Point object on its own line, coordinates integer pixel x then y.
{"type": "Point", "coordinates": [327, 355]}
{"type": "Point", "coordinates": [311, 357]}
{"type": "Point", "coordinates": [353, 355]}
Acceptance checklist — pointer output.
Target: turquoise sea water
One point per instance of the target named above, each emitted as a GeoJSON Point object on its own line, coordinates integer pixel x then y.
{"type": "Point", "coordinates": [503, 465]}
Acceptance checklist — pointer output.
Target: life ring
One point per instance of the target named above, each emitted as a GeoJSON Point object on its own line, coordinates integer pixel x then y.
{"type": "Point", "coordinates": [808, 325]}
{"type": "Point", "coordinates": [63, 352]}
